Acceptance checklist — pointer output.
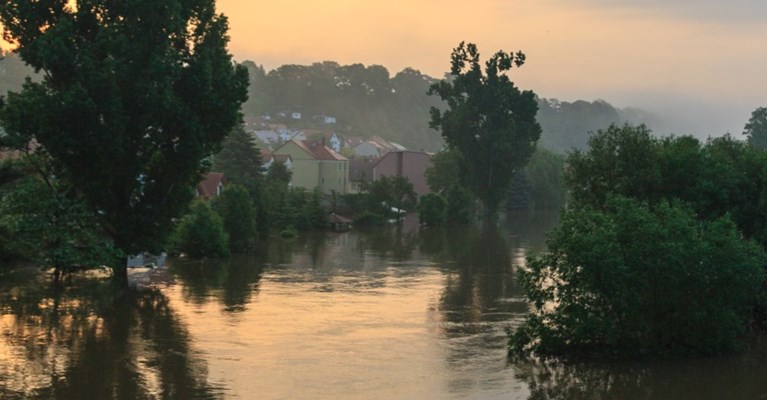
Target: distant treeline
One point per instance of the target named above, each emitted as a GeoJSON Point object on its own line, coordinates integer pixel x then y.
{"type": "Point", "coordinates": [367, 101]}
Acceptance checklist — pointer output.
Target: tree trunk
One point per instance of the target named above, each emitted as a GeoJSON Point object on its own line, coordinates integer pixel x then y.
{"type": "Point", "coordinates": [120, 272]}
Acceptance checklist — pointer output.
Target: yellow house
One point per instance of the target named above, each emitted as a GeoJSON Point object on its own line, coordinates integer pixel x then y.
{"type": "Point", "coordinates": [316, 166]}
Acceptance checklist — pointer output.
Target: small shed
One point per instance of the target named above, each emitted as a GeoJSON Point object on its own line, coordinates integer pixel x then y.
{"type": "Point", "coordinates": [339, 223]}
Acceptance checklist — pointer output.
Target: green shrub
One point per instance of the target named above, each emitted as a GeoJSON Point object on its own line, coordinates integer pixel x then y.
{"type": "Point", "coordinates": [289, 233]}
{"type": "Point", "coordinates": [239, 216]}
{"type": "Point", "coordinates": [369, 218]}
{"type": "Point", "coordinates": [201, 233]}
{"type": "Point", "coordinates": [630, 280]}
{"type": "Point", "coordinates": [432, 210]}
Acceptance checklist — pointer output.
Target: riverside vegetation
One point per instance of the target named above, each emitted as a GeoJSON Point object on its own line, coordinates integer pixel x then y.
{"type": "Point", "coordinates": [131, 111]}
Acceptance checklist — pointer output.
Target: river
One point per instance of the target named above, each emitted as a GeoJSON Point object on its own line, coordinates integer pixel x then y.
{"type": "Point", "coordinates": [396, 313]}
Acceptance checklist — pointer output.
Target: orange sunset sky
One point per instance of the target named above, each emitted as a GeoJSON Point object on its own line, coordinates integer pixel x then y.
{"type": "Point", "coordinates": [703, 61]}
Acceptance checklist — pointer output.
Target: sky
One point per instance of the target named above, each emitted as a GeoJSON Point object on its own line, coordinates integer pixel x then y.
{"type": "Point", "coordinates": [701, 63]}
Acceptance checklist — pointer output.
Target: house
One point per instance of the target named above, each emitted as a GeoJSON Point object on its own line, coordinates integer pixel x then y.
{"type": "Point", "coordinates": [335, 142]}
{"type": "Point", "coordinates": [360, 170]}
{"type": "Point", "coordinates": [268, 158]}
{"type": "Point", "coordinates": [266, 137]}
{"type": "Point", "coordinates": [211, 186]}
{"type": "Point", "coordinates": [376, 146]}
{"type": "Point", "coordinates": [316, 166]}
{"type": "Point", "coordinates": [324, 119]}
{"type": "Point", "coordinates": [410, 164]}
{"type": "Point", "coordinates": [368, 149]}
{"type": "Point", "coordinates": [331, 139]}
{"type": "Point", "coordinates": [288, 135]}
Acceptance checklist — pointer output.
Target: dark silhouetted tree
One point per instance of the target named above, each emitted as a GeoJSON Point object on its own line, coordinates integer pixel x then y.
{"type": "Point", "coordinates": [135, 96]}
{"type": "Point", "coordinates": [488, 120]}
{"type": "Point", "coordinates": [756, 128]}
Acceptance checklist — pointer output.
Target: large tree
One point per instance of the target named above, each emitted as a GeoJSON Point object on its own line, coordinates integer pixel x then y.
{"type": "Point", "coordinates": [240, 160]}
{"type": "Point", "coordinates": [488, 120]}
{"type": "Point", "coordinates": [135, 96]}
{"type": "Point", "coordinates": [756, 128]}
{"type": "Point", "coordinates": [631, 279]}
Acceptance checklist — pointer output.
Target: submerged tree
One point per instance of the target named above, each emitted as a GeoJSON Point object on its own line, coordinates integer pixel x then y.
{"type": "Point", "coordinates": [47, 225]}
{"type": "Point", "coordinates": [135, 96]}
{"type": "Point", "coordinates": [630, 279]}
{"type": "Point", "coordinates": [489, 121]}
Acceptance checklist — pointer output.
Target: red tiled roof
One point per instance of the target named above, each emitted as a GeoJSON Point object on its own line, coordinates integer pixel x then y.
{"type": "Point", "coordinates": [209, 185]}
{"type": "Point", "coordinates": [319, 151]}
{"type": "Point", "coordinates": [266, 155]}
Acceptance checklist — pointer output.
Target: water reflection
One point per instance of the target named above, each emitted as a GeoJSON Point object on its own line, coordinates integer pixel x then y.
{"type": "Point", "coordinates": [734, 377]}
{"type": "Point", "coordinates": [396, 242]}
{"type": "Point", "coordinates": [480, 297]}
{"type": "Point", "coordinates": [88, 341]}
{"type": "Point", "coordinates": [233, 281]}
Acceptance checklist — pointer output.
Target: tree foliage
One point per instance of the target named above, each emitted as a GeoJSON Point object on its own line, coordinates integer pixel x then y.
{"type": "Point", "coordinates": [432, 210]}
{"type": "Point", "coordinates": [201, 233]}
{"type": "Point", "coordinates": [363, 99]}
{"type": "Point", "coordinates": [48, 225]}
{"type": "Point", "coordinates": [756, 128]}
{"type": "Point", "coordinates": [240, 160]}
{"type": "Point", "coordinates": [238, 213]}
{"type": "Point", "coordinates": [721, 177]}
{"type": "Point", "coordinates": [545, 172]}
{"type": "Point", "coordinates": [630, 279]}
{"type": "Point", "coordinates": [621, 159]}
{"type": "Point", "coordinates": [488, 120]}
{"type": "Point", "coordinates": [134, 96]}
{"type": "Point", "coordinates": [388, 192]}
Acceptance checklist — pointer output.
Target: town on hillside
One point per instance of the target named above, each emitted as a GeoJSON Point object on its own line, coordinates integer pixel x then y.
{"type": "Point", "coordinates": [323, 159]}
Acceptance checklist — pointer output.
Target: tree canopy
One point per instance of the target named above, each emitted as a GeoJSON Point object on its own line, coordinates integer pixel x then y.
{"type": "Point", "coordinates": [756, 128]}
{"type": "Point", "coordinates": [630, 279]}
{"type": "Point", "coordinates": [240, 160]}
{"type": "Point", "coordinates": [658, 251]}
{"type": "Point", "coordinates": [135, 96]}
{"type": "Point", "coordinates": [488, 120]}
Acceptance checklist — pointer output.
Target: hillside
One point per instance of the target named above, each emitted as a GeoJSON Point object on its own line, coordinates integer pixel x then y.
{"type": "Point", "coordinates": [367, 101]}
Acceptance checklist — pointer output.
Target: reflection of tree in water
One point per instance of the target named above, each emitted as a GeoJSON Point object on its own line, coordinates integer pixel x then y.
{"type": "Point", "coordinates": [549, 380]}
{"type": "Point", "coordinates": [480, 265]}
{"type": "Point", "coordinates": [739, 376]}
{"type": "Point", "coordinates": [233, 280]}
{"type": "Point", "coordinates": [89, 341]}
{"type": "Point", "coordinates": [477, 265]}
{"type": "Point", "coordinates": [396, 242]}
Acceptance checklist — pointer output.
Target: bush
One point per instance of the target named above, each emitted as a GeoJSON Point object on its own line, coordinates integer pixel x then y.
{"type": "Point", "coordinates": [432, 210]}
{"type": "Point", "coordinates": [289, 233]}
{"type": "Point", "coordinates": [631, 280]}
{"type": "Point", "coordinates": [460, 205]}
{"type": "Point", "coordinates": [201, 233]}
{"type": "Point", "coordinates": [239, 216]}
{"type": "Point", "coordinates": [369, 218]}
